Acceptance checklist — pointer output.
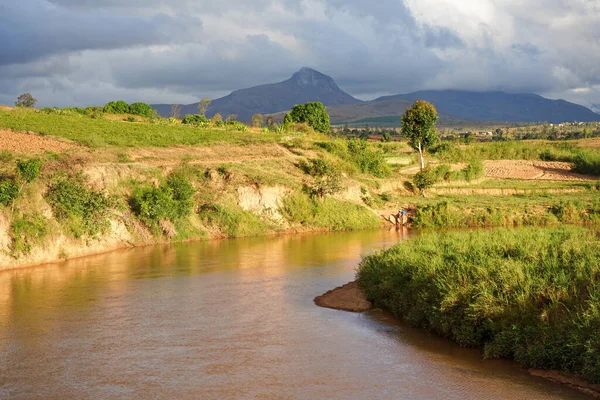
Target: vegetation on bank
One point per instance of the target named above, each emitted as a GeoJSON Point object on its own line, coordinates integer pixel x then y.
{"type": "Point", "coordinates": [321, 174]}
{"type": "Point", "coordinates": [527, 210]}
{"type": "Point", "coordinates": [531, 295]}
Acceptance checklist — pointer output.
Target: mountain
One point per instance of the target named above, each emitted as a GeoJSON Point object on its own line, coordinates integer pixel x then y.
{"type": "Point", "coordinates": [498, 106]}
{"type": "Point", "coordinates": [304, 86]}
{"type": "Point", "coordinates": [454, 106]}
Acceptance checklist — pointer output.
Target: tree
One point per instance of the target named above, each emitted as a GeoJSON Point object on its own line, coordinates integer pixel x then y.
{"type": "Point", "coordinates": [418, 125]}
{"type": "Point", "coordinates": [270, 122]}
{"type": "Point", "coordinates": [175, 111]}
{"type": "Point", "coordinates": [203, 106]}
{"type": "Point", "coordinates": [257, 120]}
{"type": "Point", "coordinates": [25, 100]}
{"type": "Point", "coordinates": [314, 114]}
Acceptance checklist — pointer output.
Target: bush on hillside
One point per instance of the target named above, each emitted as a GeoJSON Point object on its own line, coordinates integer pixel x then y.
{"type": "Point", "coordinates": [195, 120]}
{"type": "Point", "coordinates": [27, 231]}
{"type": "Point", "coordinates": [171, 201]}
{"type": "Point", "coordinates": [83, 210]}
{"type": "Point", "coordinates": [327, 177]}
{"type": "Point", "coordinates": [121, 107]}
{"type": "Point", "coordinates": [9, 191]}
{"type": "Point", "coordinates": [313, 113]}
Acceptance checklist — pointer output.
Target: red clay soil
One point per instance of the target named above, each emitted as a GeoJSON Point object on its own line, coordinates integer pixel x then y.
{"type": "Point", "coordinates": [573, 382]}
{"type": "Point", "coordinates": [346, 298]}
{"type": "Point", "coordinates": [31, 143]}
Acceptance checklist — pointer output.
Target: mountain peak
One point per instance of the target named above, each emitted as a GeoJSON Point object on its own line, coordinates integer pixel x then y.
{"type": "Point", "coordinates": [308, 77]}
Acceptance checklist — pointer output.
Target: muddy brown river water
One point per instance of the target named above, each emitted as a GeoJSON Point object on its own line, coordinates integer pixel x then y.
{"type": "Point", "coordinates": [228, 320]}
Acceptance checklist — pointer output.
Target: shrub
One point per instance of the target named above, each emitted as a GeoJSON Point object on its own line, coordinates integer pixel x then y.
{"type": "Point", "coordinates": [368, 160]}
{"type": "Point", "coordinates": [29, 170]}
{"type": "Point", "coordinates": [313, 113]}
{"type": "Point", "coordinates": [473, 170]}
{"type": "Point", "coordinates": [9, 191]}
{"type": "Point", "coordinates": [27, 231]}
{"type": "Point", "coordinates": [217, 120]}
{"type": "Point", "coordinates": [528, 294]}
{"type": "Point", "coordinates": [141, 109]}
{"type": "Point", "coordinates": [172, 200]}
{"type": "Point", "coordinates": [442, 172]}
{"type": "Point", "coordinates": [327, 177]}
{"type": "Point", "coordinates": [195, 119]}
{"type": "Point", "coordinates": [116, 107]}
{"type": "Point", "coordinates": [237, 126]}
{"type": "Point", "coordinates": [425, 179]}
{"type": "Point", "coordinates": [131, 118]}
{"type": "Point", "coordinates": [85, 211]}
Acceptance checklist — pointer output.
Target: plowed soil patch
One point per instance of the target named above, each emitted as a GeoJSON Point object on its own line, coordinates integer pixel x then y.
{"type": "Point", "coordinates": [534, 170]}
{"type": "Point", "coordinates": [31, 143]}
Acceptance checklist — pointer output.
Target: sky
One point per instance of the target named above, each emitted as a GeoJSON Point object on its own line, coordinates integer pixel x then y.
{"type": "Point", "coordinates": [89, 52]}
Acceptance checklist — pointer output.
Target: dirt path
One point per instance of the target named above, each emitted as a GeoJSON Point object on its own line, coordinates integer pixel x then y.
{"type": "Point", "coordinates": [31, 143]}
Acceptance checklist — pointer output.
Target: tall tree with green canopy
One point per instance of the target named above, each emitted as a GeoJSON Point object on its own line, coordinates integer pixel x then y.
{"type": "Point", "coordinates": [314, 114]}
{"type": "Point", "coordinates": [418, 125]}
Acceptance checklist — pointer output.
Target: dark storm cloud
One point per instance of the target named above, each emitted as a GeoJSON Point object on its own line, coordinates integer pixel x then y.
{"type": "Point", "coordinates": [33, 29]}
{"type": "Point", "coordinates": [92, 51]}
{"type": "Point", "coordinates": [216, 67]}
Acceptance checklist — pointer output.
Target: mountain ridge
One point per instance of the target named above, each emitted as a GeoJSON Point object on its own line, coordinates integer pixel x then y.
{"type": "Point", "coordinates": [305, 85]}
{"type": "Point", "coordinates": [308, 84]}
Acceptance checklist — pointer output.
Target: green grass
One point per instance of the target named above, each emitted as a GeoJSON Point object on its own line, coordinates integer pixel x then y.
{"type": "Point", "coordinates": [516, 150]}
{"type": "Point", "coordinates": [535, 209]}
{"type": "Point", "coordinates": [103, 132]}
{"type": "Point", "coordinates": [28, 231]}
{"type": "Point", "coordinates": [532, 295]}
{"type": "Point", "coordinates": [232, 221]}
{"type": "Point", "coordinates": [327, 213]}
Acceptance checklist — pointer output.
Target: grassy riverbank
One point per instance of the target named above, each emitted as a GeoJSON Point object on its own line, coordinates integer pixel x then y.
{"type": "Point", "coordinates": [108, 181]}
{"type": "Point", "coordinates": [531, 295]}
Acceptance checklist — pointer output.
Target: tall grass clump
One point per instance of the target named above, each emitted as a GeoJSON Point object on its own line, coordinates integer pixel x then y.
{"type": "Point", "coordinates": [587, 163]}
{"type": "Point", "coordinates": [233, 221]}
{"type": "Point", "coordinates": [327, 213]}
{"type": "Point", "coordinates": [360, 153]}
{"type": "Point", "coordinates": [515, 150]}
{"type": "Point", "coordinates": [531, 295]}
{"type": "Point", "coordinates": [449, 214]}
{"type": "Point", "coordinates": [27, 231]}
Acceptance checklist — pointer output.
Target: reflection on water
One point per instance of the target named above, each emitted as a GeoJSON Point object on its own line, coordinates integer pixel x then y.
{"type": "Point", "coordinates": [228, 319]}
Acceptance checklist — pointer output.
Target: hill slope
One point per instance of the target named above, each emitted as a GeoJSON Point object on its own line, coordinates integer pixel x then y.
{"type": "Point", "coordinates": [304, 86]}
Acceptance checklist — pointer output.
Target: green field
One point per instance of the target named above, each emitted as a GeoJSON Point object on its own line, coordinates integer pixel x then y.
{"type": "Point", "coordinates": [103, 132]}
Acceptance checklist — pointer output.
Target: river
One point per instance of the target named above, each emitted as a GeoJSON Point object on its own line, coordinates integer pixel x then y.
{"type": "Point", "coordinates": [231, 319]}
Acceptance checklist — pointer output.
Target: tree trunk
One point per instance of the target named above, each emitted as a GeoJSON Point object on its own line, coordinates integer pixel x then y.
{"type": "Point", "coordinates": [422, 157]}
